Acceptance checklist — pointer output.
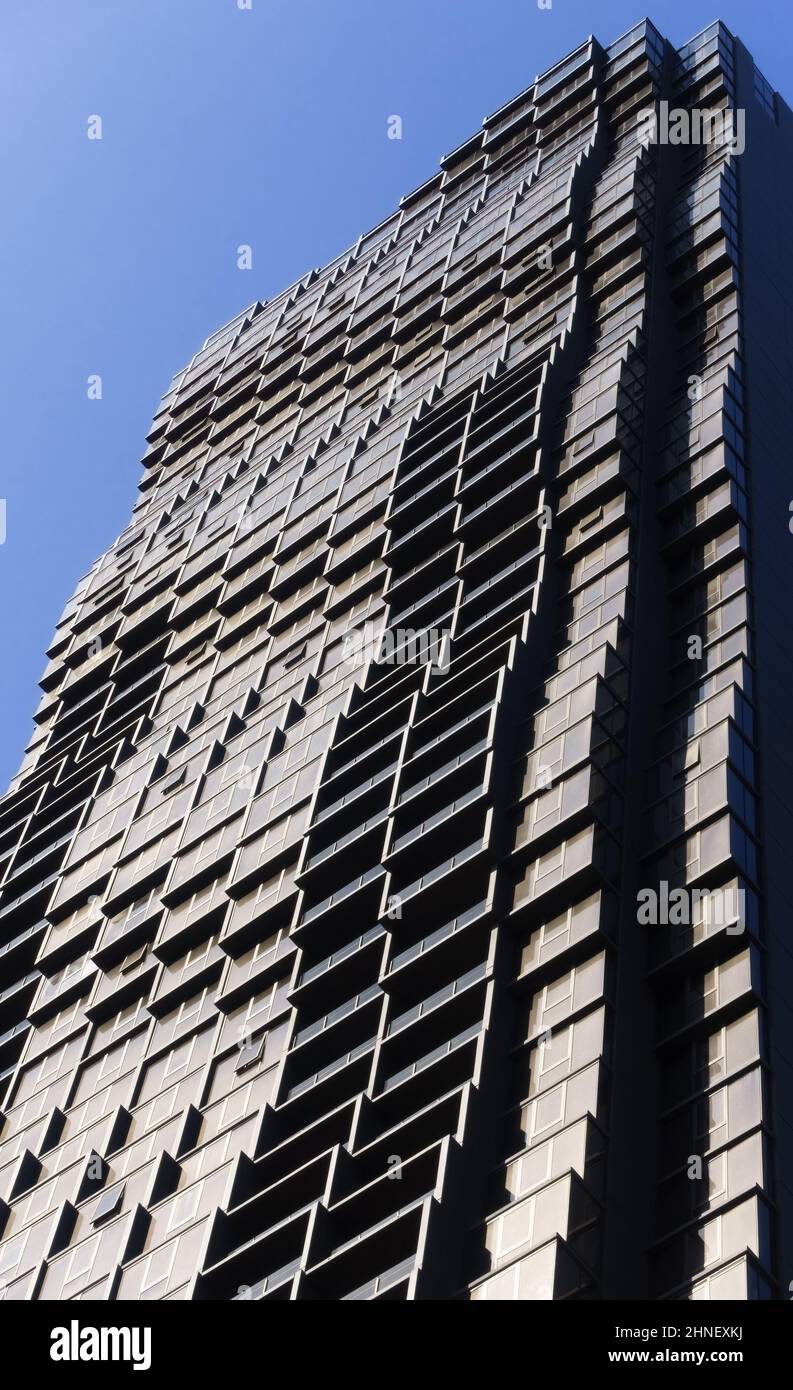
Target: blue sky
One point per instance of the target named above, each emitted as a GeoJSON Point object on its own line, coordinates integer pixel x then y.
{"type": "Point", "coordinates": [221, 126]}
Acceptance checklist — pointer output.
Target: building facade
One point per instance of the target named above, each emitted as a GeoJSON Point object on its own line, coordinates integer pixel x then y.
{"type": "Point", "coordinates": [393, 896]}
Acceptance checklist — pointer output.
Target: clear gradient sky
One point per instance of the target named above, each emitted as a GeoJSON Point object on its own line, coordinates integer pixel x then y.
{"type": "Point", "coordinates": [221, 126]}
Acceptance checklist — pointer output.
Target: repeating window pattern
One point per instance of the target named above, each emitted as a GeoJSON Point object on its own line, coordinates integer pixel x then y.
{"type": "Point", "coordinates": [284, 915]}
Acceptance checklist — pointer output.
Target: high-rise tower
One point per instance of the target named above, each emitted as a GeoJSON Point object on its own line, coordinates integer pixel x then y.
{"type": "Point", "coordinates": [394, 898]}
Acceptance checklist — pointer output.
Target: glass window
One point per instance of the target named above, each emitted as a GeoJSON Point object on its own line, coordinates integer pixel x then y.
{"type": "Point", "coordinates": [185, 1207]}
{"type": "Point", "coordinates": [109, 1203]}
